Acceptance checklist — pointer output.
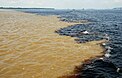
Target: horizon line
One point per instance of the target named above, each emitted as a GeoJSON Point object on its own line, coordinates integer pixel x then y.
{"type": "Point", "coordinates": [17, 7]}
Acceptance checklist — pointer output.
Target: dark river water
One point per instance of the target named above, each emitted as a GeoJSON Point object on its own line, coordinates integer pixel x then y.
{"type": "Point", "coordinates": [104, 24]}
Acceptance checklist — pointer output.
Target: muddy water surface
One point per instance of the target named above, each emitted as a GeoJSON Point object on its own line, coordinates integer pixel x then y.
{"type": "Point", "coordinates": [29, 47]}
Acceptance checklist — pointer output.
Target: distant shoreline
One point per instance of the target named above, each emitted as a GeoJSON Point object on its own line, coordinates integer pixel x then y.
{"type": "Point", "coordinates": [26, 8]}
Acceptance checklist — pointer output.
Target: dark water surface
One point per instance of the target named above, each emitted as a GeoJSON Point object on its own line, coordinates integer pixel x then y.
{"type": "Point", "coordinates": [105, 24]}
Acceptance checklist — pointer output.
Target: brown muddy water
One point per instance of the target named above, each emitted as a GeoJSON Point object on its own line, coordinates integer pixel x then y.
{"type": "Point", "coordinates": [29, 47]}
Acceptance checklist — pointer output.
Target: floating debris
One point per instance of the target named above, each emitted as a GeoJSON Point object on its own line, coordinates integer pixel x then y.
{"type": "Point", "coordinates": [85, 32]}
{"type": "Point", "coordinates": [107, 55]}
{"type": "Point", "coordinates": [103, 44]}
{"type": "Point", "coordinates": [119, 70]}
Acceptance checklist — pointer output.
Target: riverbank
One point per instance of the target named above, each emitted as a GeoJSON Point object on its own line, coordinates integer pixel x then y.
{"type": "Point", "coordinates": [30, 48]}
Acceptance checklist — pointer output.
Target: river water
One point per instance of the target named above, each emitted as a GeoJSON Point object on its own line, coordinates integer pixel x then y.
{"type": "Point", "coordinates": [104, 24]}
